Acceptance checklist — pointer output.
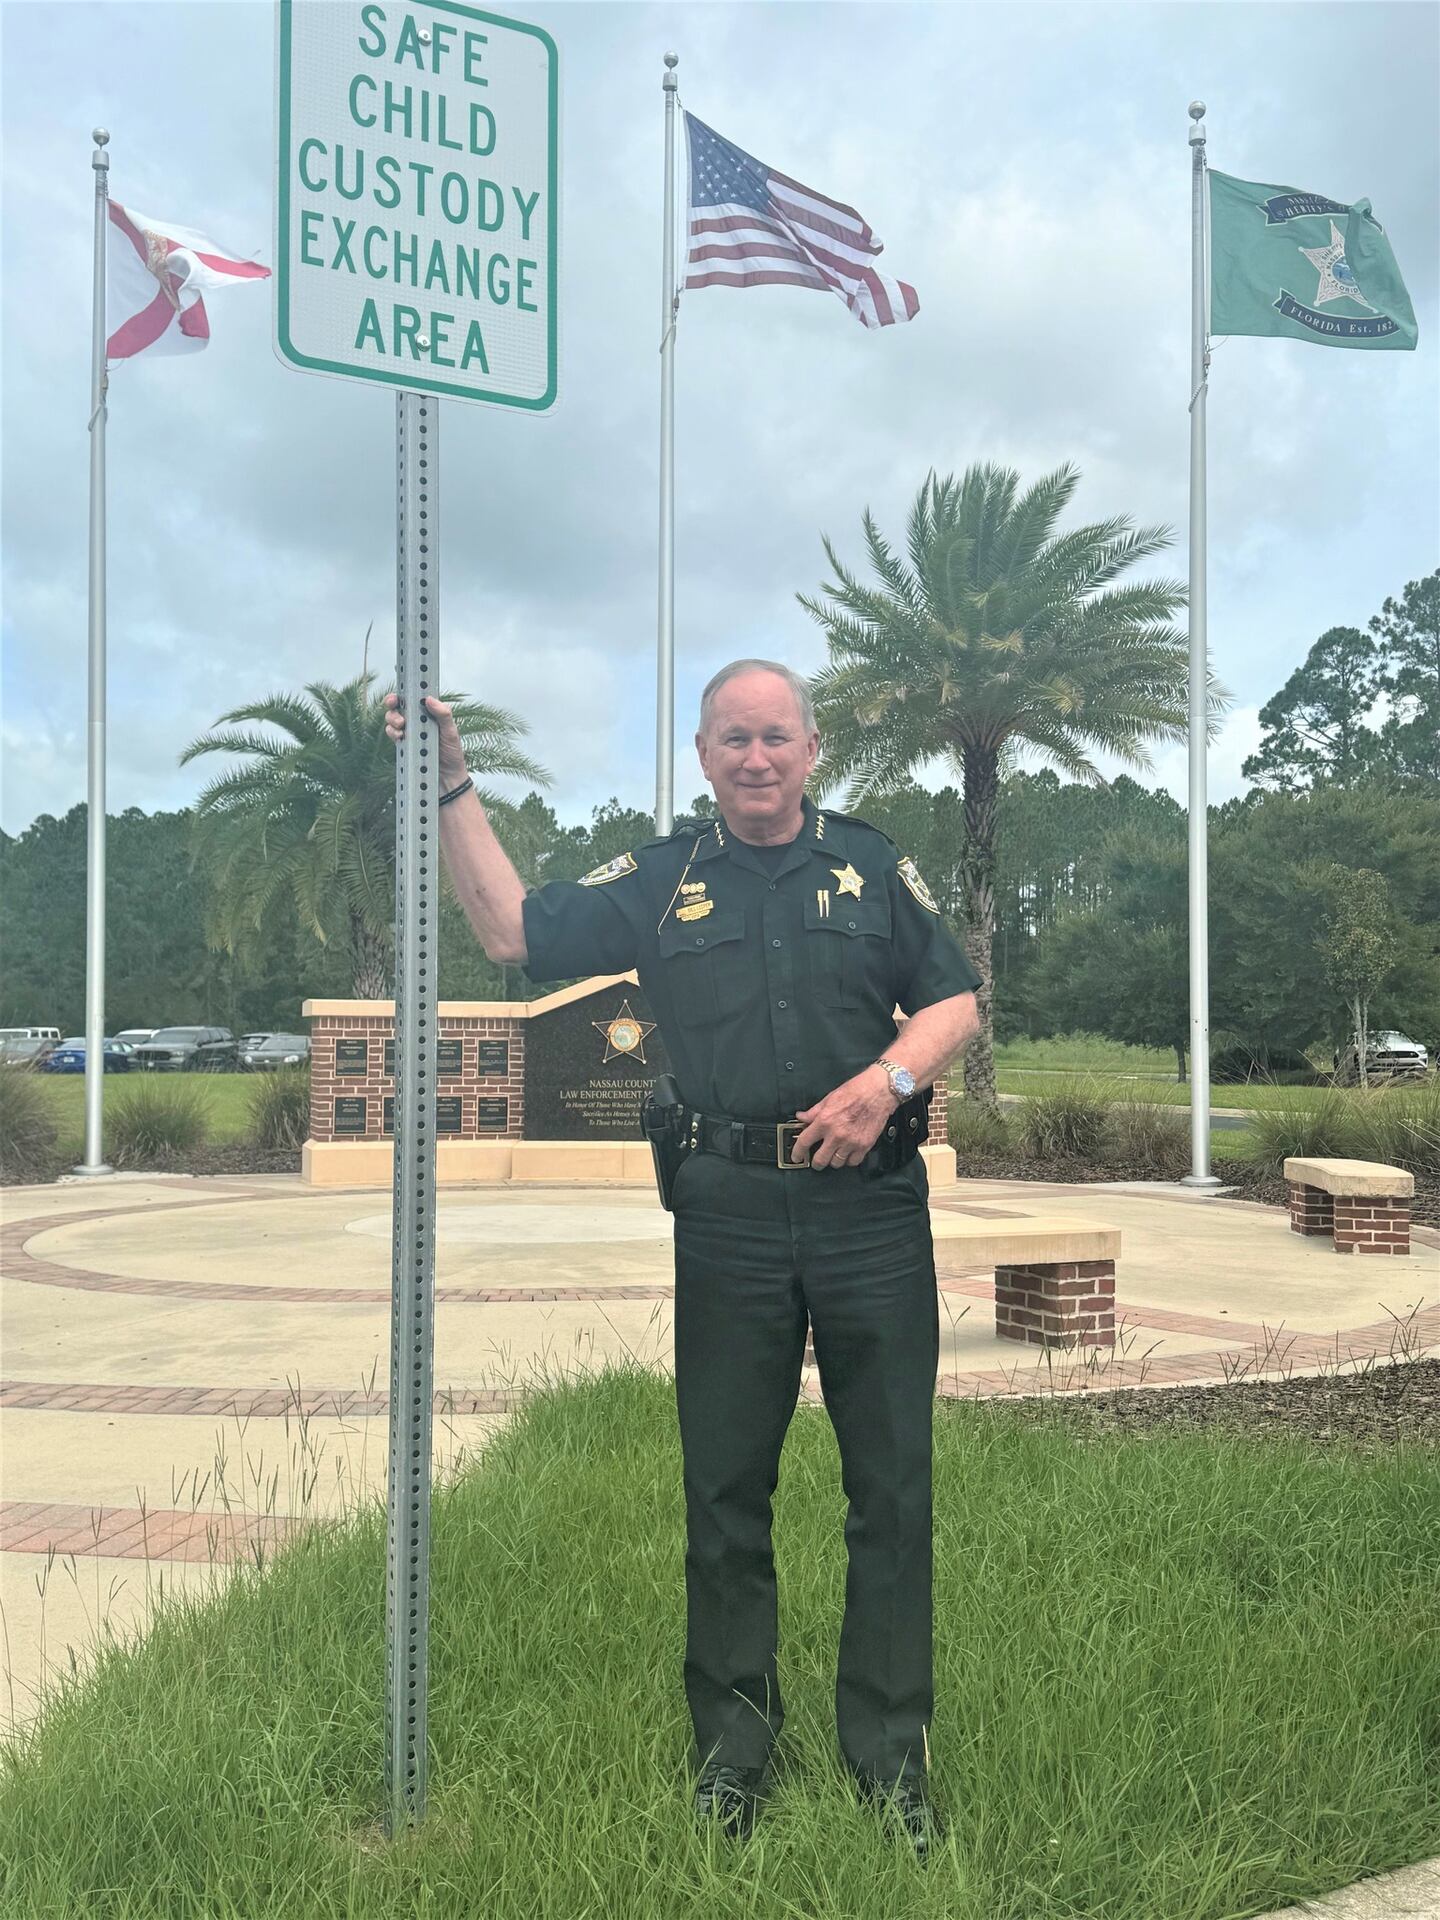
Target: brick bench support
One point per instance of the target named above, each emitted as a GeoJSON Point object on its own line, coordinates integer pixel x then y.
{"type": "Point", "coordinates": [1361, 1205]}
{"type": "Point", "coordinates": [1061, 1305]}
{"type": "Point", "coordinates": [1312, 1210]}
{"type": "Point", "coordinates": [1371, 1225]}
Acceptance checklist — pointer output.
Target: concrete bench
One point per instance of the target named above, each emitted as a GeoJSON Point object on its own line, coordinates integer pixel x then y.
{"type": "Point", "coordinates": [1362, 1205]}
{"type": "Point", "coordinates": [1054, 1277]}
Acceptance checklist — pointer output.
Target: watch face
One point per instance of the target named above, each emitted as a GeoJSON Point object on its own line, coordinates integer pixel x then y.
{"type": "Point", "coordinates": [903, 1082]}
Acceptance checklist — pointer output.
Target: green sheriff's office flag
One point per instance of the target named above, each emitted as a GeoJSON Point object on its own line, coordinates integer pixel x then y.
{"type": "Point", "coordinates": [1304, 267]}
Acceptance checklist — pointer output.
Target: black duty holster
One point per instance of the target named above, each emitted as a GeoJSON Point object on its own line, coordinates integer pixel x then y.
{"type": "Point", "coordinates": [660, 1122]}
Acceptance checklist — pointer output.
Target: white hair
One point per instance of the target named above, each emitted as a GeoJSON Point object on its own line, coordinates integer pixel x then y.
{"type": "Point", "coordinates": [792, 680]}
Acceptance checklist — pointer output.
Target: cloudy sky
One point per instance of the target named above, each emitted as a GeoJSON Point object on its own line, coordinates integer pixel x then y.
{"type": "Point", "coordinates": [1027, 168]}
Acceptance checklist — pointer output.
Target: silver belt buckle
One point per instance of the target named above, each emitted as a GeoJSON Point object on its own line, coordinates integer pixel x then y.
{"type": "Point", "coordinates": [783, 1146]}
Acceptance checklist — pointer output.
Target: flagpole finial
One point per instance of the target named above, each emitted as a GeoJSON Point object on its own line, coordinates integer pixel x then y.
{"type": "Point", "coordinates": [101, 136]}
{"type": "Point", "coordinates": [1197, 114]}
{"type": "Point", "coordinates": [1197, 109]}
{"type": "Point", "coordinates": [669, 83]}
{"type": "Point", "coordinates": [100, 160]}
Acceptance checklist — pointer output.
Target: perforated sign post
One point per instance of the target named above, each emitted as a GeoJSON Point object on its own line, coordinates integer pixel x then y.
{"type": "Point", "coordinates": [417, 246]}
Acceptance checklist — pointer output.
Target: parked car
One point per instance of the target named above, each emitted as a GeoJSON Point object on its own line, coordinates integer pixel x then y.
{"type": "Point", "coordinates": [69, 1057]}
{"type": "Point", "coordinates": [135, 1036]}
{"type": "Point", "coordinates": [52, 1034]}
{"type": "Point", "coordinates": [18, 1050]}
{"type": "Point", "coordinates": [1387, 1052]}
{"type": "Point", "coordinates": [188, 1050]}
{"type": "Point", "coordinates": [249, 1040]}
{"type": "Point", "coordinates": [276, 1050]}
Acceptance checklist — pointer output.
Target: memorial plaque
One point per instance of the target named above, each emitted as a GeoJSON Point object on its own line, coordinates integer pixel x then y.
{"type": "Point", "coordinates": [588, 1066]}
{"type": "Point", "coordinates": [350, 1113]}
{"type": "Point", "coordinates": [493, 1057]}
{"type": "Point", "coordinates": [492, 1115]}
{"type": "Point", "coordinates": [449, 1058]}
{"type": "Point", "coordinates": [352, 1056]}
{"type": "Point", "coordinates": [447, 1114]}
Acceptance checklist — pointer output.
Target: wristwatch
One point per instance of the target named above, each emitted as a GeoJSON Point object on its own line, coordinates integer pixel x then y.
{"type": "Point", "coordinates": [902, 1081]}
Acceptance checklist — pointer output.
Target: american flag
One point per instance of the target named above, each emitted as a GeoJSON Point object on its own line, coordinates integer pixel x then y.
{"type": "Point", "coordinates": [753, 227]}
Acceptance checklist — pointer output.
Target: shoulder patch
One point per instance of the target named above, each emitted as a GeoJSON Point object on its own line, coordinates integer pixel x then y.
{"type": "Point", "coordinates": [615, 869]}
{"type": "Point", "coordinates": [910, 874]}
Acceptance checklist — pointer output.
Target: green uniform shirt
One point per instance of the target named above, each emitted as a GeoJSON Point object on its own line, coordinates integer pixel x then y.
{"type": "Point", "coordinates": [770, 987]}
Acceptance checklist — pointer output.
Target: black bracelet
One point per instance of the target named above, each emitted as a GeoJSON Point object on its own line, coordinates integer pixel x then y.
{"type": "Point", "coordinates": [465, 786]}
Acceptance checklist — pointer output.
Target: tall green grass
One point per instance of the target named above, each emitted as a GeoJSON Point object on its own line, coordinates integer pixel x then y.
{"type": "Point", "coordinates": [1185, 1676]}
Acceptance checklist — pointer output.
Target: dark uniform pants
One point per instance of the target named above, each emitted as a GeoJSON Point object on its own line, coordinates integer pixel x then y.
{"type": "Point", "coordinates": [756, 1251]}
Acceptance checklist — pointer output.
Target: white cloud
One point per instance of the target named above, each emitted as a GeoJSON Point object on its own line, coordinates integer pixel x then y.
{"type": "Point", "coordinates": [1027, 169]}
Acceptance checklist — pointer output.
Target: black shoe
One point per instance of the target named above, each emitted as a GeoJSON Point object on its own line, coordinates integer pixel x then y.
{"type": "Point", "coordinates": [908, 1803]}
{"type": "Point", "coordinates": [730, 1795]}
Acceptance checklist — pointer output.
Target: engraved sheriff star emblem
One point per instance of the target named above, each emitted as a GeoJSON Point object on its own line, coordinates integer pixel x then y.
{"type": "Point", "coordinates": [625, 1034]}
{"type": "Point", "coordinates": [849, 880]}
{"type": "Point", "coordinates": [1337, 282]}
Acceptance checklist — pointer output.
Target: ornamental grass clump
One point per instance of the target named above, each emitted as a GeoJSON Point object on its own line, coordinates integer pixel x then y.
{"type": "Point", "coordinates": [1068, 1124]}
{"type": "Point", "coordinates": [1148, 1138]}
{"type": "Point", "coordinates": [280, 1108]}
{"type": "Point", "coordinates": [1400, 1125]}
{"type": "Point", "coordinates": [974, 1129]}
{"type": "Point", "coordinates": [27, 1127]}
{"type": "Point", "coordinates": [155, 1119]}
{"type": "Point", "coordinates": [1312, 1129]}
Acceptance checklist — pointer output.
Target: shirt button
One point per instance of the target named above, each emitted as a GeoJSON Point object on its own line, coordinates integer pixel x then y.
{"type": "Point", "coordinates": [789, 1066]}
{"type": "Point", "coordinates": [774, 943]}
{"type": "Point", "coordinates": [782, 1003]}
{"type": "Point", "coordinates": [772, 886]}
{"type": "Point", "coordinates": [851, 925]}
{"type": "Point", "coordinates": [699, 939]}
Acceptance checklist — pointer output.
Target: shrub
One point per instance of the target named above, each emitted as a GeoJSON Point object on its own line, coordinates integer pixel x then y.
{"type": "Point", "coordinates": [154, 1118]}
{"type": "Point", "coordinates": [1066, 1125]}
{"type": "Point", "coordinates": [27, 1127]}
{"type": "Point", "coordinates": [280, 1108]}
{"type": "Point", "coordinates": [1151, 1138]}
{"type": "Point", "coordinates": [974, 1129]}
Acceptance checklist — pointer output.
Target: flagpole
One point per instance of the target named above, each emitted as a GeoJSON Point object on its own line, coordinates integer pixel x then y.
{"type": "Point", "coordinates": [95, 802]}
{"type": "Point", "coordinates": [665, 643]}
{"type": "Point", "coordinates": [1199, 1174]}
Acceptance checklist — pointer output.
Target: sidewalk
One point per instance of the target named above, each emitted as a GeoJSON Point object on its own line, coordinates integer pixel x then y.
{"type": "Point", "coordinates": [190, 1364]}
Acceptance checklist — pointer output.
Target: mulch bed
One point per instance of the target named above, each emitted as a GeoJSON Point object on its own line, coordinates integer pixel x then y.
{"type": "Point", "coordinates": [1397, 1402]}
{"type": "Point", "coordinates": [231, 1157]}
{"type": "Point", "coordinates": [1249, 1182]}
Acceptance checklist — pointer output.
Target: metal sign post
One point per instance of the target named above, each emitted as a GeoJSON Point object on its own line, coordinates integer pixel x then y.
{"type": "Point", "coordinates": [416, 247]}
{"type": "Point", "coordinates": [412, 1290]}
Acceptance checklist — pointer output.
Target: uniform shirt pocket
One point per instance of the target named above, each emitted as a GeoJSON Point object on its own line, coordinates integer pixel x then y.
{"type": "Point", "coordinates": [704, 965]}
{"type": "Point", "coordinates": [848, 949]}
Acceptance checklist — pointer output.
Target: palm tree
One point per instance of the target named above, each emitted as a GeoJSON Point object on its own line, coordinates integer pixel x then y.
{"type": "Point", "coordinates": [1000, 634]}
{"type": "Point", "coordinates": [312, 814]}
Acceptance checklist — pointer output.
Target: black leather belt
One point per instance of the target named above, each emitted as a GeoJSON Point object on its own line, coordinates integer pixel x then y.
{"type": "Point", "coordinates": [768, 1143]}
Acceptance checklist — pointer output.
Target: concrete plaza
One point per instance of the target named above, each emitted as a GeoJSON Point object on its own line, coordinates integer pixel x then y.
{"type": "Point", "coordinates": [193, 1365]}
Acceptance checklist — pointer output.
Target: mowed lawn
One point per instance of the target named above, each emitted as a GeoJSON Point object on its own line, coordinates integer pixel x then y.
{"type": "Point", "coordinates": [1179, 1677]}
{"type": "Point", "coordinates": [226, 1095]}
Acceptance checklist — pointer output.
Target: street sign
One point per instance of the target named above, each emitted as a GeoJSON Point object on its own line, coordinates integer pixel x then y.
{"type": "Point", "coordinates": [417, 199]}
